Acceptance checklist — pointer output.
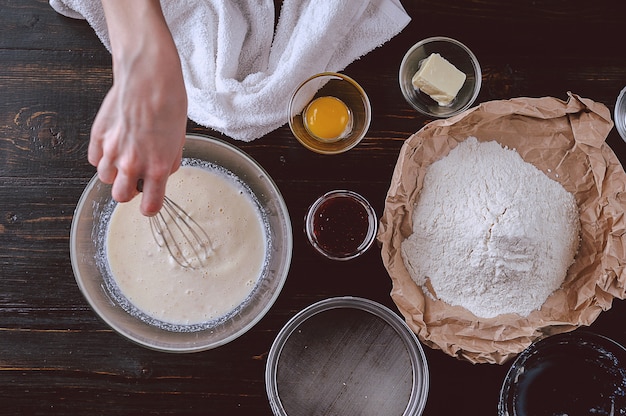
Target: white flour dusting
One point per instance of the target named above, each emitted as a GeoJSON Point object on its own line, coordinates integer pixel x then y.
{"type": "Point", "coordinates": [491, 232]}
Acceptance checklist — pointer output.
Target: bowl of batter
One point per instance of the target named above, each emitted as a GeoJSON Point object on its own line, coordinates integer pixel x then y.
{"type": "Point", "coordinates": [138, 289]}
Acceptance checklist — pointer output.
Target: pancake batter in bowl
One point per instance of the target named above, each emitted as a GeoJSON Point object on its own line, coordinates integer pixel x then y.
{"type": "Point", "coordinates": [156, 285]}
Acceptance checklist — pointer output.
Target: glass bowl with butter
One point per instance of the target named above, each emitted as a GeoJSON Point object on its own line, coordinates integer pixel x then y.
{"type": "Point", "coordinates": [329, 113]}
{"type": "Point", "coordinates": [440, 77]}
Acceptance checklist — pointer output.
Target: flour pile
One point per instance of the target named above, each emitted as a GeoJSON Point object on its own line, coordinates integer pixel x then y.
{"type": "Point", "coordinates": [491, 232]}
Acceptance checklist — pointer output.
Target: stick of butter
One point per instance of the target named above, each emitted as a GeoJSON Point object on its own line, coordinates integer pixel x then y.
{"type": "Point", "coordinates": [439, 79]}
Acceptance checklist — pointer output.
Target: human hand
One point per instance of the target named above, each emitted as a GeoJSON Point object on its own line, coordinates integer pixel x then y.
{"type": "Point", "coordinates": [139, 131]}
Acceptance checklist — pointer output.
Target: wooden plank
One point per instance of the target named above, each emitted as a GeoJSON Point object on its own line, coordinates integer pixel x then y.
{"type": "Point", "coordinates": [58, 357]}
{"type": "Point", "coordinates": [35, 25]}
{"type": "Point", "coordinates": [46, 119]}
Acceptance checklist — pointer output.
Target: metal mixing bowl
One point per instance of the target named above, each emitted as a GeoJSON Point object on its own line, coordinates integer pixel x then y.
{"type": "Point", "coordinates": [88, 240]}
{"type": "Point", "coordinates": [346, 356]}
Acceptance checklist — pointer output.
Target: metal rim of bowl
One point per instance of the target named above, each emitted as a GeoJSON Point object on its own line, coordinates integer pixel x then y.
{"type": "Point", "coordinates": [475, 64]}
{"type": "Point", "coordinates": [74, 258]}
{"type": "Point", "coordinates": [419, 393]}
{"type": "Point", "coordinates": [619, 114]}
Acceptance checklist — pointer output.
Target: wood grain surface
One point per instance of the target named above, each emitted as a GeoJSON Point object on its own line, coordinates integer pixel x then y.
{"type": "Point", "coordinates": [58, 357]}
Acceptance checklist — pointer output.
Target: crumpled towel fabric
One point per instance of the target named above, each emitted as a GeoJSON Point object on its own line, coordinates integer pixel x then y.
{"type": "Point", "coordinates": [239, 72]}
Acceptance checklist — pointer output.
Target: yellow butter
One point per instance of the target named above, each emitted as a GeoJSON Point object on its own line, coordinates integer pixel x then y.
{"type": "Point", "coordinates": [439, 79]}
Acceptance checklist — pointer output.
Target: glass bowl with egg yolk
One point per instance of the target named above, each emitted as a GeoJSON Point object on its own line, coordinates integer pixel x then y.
{"type": "Point", "coordinates": [329, 113]}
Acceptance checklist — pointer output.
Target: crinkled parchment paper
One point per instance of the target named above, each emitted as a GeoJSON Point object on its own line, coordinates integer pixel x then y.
{"type": "Point", "coordinates": [565, 140]}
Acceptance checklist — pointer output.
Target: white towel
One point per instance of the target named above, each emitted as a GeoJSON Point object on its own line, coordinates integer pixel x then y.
{"type": "Point", "coordinates": [238, 72]}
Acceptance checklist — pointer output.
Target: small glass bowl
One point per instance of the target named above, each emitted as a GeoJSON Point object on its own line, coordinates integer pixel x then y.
{"type": "Point", "coordinates": [334, 85]}
{"type": "Point", "coordinates": [620, 114]}
{"type": "Point", "coordinates": [366, 362]}
{"type": "Point", "coordinates": [458, 55]}
{"type": "Point", "coordinates": [341, 225]}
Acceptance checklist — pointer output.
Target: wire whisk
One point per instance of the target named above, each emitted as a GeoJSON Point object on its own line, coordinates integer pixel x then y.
{"type": "Point", "coordinates": [185, 240]}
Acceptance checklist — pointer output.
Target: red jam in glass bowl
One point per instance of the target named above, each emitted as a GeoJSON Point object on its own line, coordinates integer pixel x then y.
{"type": "Point", "coordinates": [341, 225]}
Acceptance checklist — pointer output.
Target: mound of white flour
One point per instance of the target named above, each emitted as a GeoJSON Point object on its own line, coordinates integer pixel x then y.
{"type": "Point", "coordinates": [491, 232]}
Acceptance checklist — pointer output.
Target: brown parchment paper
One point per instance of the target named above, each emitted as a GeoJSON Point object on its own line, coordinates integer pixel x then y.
{"type": "Point", "coordinates": [564, 139]}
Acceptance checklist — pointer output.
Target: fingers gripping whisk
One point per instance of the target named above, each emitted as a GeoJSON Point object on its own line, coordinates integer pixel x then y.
{"type": "Point", "coordinates": [175, 230]}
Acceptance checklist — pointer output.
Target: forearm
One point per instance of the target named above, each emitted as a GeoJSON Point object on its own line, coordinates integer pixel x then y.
{"type": "Point", "coordinates": [139, 132]}
{"type": "Point", "coordinates": [137, 29]}
{"type": "Point", "coordinates": [131, 23]}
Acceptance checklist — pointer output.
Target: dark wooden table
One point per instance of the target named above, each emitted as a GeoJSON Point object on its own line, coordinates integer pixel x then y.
{"type": "Point", "coordinates": [58, 357]}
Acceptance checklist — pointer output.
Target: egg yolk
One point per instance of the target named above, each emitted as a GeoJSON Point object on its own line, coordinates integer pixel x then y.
{"type": "Point", "coordinates": [327, 118]}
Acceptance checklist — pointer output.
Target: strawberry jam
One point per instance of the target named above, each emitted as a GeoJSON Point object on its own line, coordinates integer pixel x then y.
{"type": "Point", "coordinates": [340, 225]}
